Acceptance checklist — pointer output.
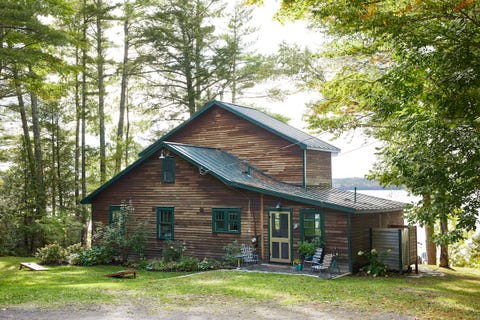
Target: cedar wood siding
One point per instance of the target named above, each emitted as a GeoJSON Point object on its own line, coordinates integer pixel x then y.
{"type": "Point", "coordinates": [192, 195]}
{"type": "Point", "coordinates": [360, 225]}
{"type": "Point", "coordinates": [264, 150]}
{"type": "Point", "coordinates": [319, 169]}
{"type": "Point", "coordinates": [335, 223]}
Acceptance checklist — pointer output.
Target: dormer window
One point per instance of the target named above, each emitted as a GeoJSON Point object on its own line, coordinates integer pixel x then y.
{"type": "Point", "coordinates": [168, 169]}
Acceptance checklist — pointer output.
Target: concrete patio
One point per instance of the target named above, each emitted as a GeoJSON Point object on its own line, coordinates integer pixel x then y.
{"type": "Point", "coordinates": [334, 273]}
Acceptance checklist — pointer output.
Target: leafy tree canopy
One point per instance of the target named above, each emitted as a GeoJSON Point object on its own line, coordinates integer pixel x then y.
{"type": "Point", "coordinates": [408, 73]}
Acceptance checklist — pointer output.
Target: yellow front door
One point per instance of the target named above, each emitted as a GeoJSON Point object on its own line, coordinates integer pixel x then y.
{"type": "Point", "coordinates": [280, 236]}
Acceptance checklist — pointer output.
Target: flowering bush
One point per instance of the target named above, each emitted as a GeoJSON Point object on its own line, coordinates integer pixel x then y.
{"type": "Point", "coordinates": [51, 254]}
{"type": "Point", "coordinates": [375, 267]}
{"type": "Point", "coordinates": [296, 261]}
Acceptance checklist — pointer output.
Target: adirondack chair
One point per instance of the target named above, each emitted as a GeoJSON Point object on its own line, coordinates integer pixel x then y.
{"type": "Point", "coordinates": [247, 254]}
{"type": "Point", "coordinates": [316, 259]}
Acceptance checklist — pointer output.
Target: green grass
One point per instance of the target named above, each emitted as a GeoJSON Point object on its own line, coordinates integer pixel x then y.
{"type": "Point", "coordinates": [456, 295]}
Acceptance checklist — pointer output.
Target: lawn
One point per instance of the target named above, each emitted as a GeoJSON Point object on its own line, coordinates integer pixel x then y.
{"type": "Point", "coordinates": [453, 296]}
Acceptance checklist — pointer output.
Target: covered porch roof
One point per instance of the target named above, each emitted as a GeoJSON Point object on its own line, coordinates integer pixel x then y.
{"type": "Point", "coordinates": [237, 173]}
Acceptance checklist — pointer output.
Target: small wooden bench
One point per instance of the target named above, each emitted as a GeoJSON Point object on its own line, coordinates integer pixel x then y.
{"type": "Point", "coordinates": [32, 266]}
{"type": "Point", "coordinates": [123, 274]}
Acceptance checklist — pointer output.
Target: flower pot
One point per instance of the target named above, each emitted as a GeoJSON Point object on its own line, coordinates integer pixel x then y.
{"type": "Point", "coordinates": [298, 267]}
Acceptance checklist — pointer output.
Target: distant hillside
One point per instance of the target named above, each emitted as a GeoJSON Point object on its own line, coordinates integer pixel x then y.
{"type": "Point", "coordinates": [360, 184]}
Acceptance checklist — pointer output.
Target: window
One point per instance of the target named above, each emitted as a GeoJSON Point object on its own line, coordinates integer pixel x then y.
{"type": "Point", "coordinates": [168, 169]}
{"type": "Point", "coordinates": [311, 224]}
{"type": "Point", "coordinates": [226, 220]}
{"type": "Point", "coordinates": [164, 223]}
{"type": "Point", "coordinates": [115, 212]}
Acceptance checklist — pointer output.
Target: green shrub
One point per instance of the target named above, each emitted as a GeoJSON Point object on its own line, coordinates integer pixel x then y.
{"type": "Point", "coordinates": [51, 254]}
{"type": "Point", "coordinates": [173, 250]}
{"type": "Point", "coordinates": [232, 251]}
{"type": "Point", "coordinates": [156, 265]}
{"type": "Point", "coordinates": [375, 267]}
{"type": "Point", "coordinates": [140, 264]}
{"type": "Point", "coordinates": [187, 264]}
{"type": "Point", "coordinates": [126, 235]}
{"type": "Point", "coordinates": [74, 248]}
{"type": "Point", "coordinates": [93, 256]}
{"type": "Point", "coordinates": [206, 264]}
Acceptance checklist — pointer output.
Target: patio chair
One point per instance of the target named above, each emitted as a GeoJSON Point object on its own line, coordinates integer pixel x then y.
{"type": "Point", "coordinates": [247, 254]}
{"type": "Point", "coordinates": [316, 259]}
{"type": "Point", "coordinates": [326, 263]}
{"type": "Point", "coordinates": [329, 262]}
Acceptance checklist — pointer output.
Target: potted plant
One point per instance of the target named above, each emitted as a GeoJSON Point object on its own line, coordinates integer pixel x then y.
{"type": "Point", "coordinates": [306, 249]}
{"type": "Point", "coordinates": [297, 263]}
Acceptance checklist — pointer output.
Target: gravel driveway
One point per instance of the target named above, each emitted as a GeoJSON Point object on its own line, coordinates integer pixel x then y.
{"type": "Point", "coordinates": [215, 311]}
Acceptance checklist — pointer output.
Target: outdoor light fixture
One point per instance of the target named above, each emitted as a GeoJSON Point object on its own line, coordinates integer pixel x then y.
{"type": "Point", "coordinates": [162, 155]}
{"type": "Point", "coordinates": [278, 206]}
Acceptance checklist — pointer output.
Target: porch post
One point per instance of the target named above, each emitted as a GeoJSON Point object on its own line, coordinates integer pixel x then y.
{"type": "Point", "coordinates": [262, 238]}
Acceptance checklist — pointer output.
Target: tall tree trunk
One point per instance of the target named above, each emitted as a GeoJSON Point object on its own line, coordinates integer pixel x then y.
{"type": "Point", "coordinates": [30, 180]}
{"type": "Point", "coordinates": [54, 181]}
{"type": "Point", "coordinates": [37, 145]}
{"type": "Point", "coordinates": [60, 186]}
{"type": "Point", "coordinates": [127, 134]}
{"type": "Point", "coordinates": [78, 120]}
{"type": "Point", "coordinates": [198, 76]}
{"type": "Point", "coordinates": [444, 259]}
{"type": "Point", "coordinates": [83, 220]}
{"type": "Point", "coordinates": [431, 247]}
{"type": "Point", "coordinates": [101, 92]}
{"type": "Point", "coordinates": [120, 143]}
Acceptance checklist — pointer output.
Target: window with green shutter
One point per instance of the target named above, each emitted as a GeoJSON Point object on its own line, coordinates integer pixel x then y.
{"type": "Point", "coordinates": [165, 223]}
{"type": "Point", "coordinates": [168, 169]}
{"type": "Point", "coordinates": [226, 220]}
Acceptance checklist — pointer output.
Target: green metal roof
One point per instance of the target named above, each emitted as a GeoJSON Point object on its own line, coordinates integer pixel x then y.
{"type": "Point", "coordinates": [289, 133]}
{"type": "Point", "coordinates": [237, 173]}
{"type": "Point", "coordinates": [234, 172]}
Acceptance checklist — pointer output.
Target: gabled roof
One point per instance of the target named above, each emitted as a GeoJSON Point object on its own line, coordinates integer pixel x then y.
{"type": "Point", "coordinates": [304, 140]}
{"type": "Point", "coordinates": [287, 132]}
{"type": "Point", "coordinates": [237, 173]}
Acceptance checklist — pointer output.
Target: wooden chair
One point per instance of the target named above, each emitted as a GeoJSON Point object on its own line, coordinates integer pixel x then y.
{"type": "Point", "coordinates": [316, 259]}
{"type": "Point", "coordinates": [247, 254]}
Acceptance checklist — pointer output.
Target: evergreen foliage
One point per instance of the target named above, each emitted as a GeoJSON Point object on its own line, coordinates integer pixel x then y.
{"type": "Point", "coordinates": [75, 107]}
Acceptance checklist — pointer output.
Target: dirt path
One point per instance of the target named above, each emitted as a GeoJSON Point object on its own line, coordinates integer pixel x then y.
{"type": "Point", "coordinates": [230, 310]}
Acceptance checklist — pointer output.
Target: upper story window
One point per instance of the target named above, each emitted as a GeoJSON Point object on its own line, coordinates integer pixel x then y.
{"type": "Point", "coordinates": [168, 169]}
{"type": "Point", "coordinates": [226, 220]}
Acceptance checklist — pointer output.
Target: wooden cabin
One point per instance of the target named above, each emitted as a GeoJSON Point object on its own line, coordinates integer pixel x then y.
{"type": "Point", "coordinates": [235, 173]}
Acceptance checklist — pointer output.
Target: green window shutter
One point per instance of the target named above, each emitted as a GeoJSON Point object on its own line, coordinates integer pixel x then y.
{"type": "Point", "coordinates": [168, 169]}
{"type": "Point", "coordinates": [226, 220]}
{"type": "Point", "coordinates": [165, 223]}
